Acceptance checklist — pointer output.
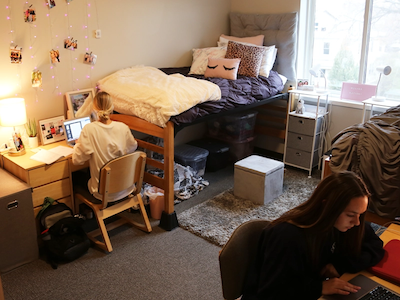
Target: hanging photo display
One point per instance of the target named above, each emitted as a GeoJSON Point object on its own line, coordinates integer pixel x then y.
{"type": "Point", "coordinates": [15, 54]}
{"type": "Point", "coordinates": [30, 15]}
{"type": "Point", "coordinates": [51, 3]}
{"type": "Point", "coordinates": [70, 43]}
{"type": "Point", "coordinates": [36, 79]}
{"type": "Point", "coordinates": [54, 56]}
{"type": "Point", "coordinates": [90, 58]}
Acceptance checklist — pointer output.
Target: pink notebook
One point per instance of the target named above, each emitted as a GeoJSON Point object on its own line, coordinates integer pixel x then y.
{"type": "Point", "coordinates": [357, 92]}
{"type": "Point", "coordinates": [389, 267]}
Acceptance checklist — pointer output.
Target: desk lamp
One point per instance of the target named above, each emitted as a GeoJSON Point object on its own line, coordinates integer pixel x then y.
{"type": "Point", "coordinates": [317, 72]}
{"type": "Point", "coordinates": [13, 113]}
{"type": "Point", "coordinates": [385, 71]}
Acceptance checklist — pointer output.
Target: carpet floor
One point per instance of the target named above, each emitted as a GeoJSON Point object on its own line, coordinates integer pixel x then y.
{"type": "Point", "coordinates": [216, 219]}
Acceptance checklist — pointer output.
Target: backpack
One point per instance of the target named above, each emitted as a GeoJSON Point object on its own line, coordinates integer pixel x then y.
{"type": "Point", "coordinates": [62, 234]}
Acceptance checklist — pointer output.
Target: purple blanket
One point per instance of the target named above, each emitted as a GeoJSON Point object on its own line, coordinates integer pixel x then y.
{"type": "Point", "coordinates": [242, 91]}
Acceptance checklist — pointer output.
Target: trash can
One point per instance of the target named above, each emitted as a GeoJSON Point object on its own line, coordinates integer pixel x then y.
{"type": "Point", "coordinates": [156, 198]}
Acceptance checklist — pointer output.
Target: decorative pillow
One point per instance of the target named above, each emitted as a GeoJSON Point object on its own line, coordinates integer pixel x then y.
{"type": "Point", "coordinates": [222, 68]}
{"type": "Point", "coordinates": [200, 58]}
{"type": "Point", "coordinates": [268, 60]}
{"type": "Point", "coordinates": [255, 40]}
{"type": "Point", "coordinates": [251, 57]}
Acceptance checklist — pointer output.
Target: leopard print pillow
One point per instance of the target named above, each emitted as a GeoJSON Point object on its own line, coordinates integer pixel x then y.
{"type": "Point", "coordinates": [251, 58]}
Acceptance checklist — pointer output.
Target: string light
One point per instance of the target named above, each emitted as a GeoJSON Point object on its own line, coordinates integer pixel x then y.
{"type": "Point", "coordinates": [53, 45]}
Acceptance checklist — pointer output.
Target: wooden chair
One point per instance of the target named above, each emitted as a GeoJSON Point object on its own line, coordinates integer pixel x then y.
{"type": "Point", "coordinates": [238, 255]}
{"type": "Point", "coordinates": [115, 176]}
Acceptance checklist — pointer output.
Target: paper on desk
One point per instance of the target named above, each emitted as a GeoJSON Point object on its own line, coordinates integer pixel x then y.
{"type": "Point", "coordinates": [52, 155]}
{"type": "Point", "coordinates": [62, 150]}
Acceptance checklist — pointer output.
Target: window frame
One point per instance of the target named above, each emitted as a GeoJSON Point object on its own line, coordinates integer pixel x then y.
{"type": "Point", "coordinates": [306, 39]}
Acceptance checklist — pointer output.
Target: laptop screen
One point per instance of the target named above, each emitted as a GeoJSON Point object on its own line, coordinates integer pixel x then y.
{"type": "Point", "coordinates": [74, 127]}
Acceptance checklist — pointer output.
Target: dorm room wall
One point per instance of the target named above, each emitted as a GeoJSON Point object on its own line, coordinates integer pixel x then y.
{"type": "Point", "coordinates": [158, 33]}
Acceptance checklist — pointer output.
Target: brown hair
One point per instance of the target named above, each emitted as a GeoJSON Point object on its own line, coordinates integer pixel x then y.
{"type": "Point", "coordinates": [319, 213]}
{"type": "Point", "coordinates": [102, 103]}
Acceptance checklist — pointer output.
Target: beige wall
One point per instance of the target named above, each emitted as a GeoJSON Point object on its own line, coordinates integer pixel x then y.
{"type": "Point", "coordinates": [158, 33]}
{"type": "Point", "coordinates": [265, 6]}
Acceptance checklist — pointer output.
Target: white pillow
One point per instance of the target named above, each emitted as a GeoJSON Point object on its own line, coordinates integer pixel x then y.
{"type": "Point", "coordinates": [268, 59]}
{"type": "Point", "coordinates": [200, 58]}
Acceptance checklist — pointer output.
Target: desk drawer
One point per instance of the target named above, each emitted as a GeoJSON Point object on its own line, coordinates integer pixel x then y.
{"type": "Point", "coordinates": [66, 200]}
{"type": "Point", "coordinates": [48, 173]}
{"type": "Point", "coordinates": [55, 190]}
{"type": "Point", "coordinates": [302, 142]}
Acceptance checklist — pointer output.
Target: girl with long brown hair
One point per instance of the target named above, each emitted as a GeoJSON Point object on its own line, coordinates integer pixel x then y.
{"type": "Point", "coordinates": [303, 253]}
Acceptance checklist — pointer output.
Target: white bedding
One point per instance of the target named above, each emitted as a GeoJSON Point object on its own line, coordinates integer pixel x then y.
{"type": "Point", "coordinates": [152, 95]}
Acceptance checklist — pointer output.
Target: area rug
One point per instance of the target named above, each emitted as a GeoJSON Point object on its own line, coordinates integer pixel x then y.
{"type": "Point", "coordinates": [216, 219]}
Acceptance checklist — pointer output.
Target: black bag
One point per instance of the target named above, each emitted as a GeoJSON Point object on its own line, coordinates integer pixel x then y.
{"type": "Point", "coordinates": [62, 234]}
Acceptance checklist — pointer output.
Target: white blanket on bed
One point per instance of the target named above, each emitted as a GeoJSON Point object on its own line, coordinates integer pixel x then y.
{"type": "Point", "coordinates": [150, 94]}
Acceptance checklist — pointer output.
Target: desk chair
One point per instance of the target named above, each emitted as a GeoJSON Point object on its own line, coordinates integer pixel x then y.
{"type": "Point", "coordinates": [237, 255]}
{"type": "Point", "coordinates": [116, 175]}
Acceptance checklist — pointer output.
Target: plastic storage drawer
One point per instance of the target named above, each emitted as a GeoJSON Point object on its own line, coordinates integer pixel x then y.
{"type": "Point", "coordinates": [218, 156]}
{"type": "Point", "coordinates": [195, 157]}
{"type": "Point", "coordinates": [233, 128]}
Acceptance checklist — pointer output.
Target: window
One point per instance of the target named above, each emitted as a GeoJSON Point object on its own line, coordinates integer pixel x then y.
{"type": "Point", "coordinates": [326, 48]}
{"type": "Point", "coordinates": [352, 38]}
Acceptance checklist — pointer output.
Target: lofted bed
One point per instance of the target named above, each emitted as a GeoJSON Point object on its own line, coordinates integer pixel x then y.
{"type": "Point", "coordinates": [279, 30]}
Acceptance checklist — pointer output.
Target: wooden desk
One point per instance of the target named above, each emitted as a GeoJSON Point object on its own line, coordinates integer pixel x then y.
{"type": "Point", "coordinates": [53, 180]}
{"type": "Point", "coordinates": [391, 233]}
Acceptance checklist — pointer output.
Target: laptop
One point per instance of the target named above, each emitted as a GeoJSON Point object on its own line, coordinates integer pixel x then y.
{"type": "Point", "coordinates": [368, 288]}
{"type": "Point", "coordinates": [73, 128]}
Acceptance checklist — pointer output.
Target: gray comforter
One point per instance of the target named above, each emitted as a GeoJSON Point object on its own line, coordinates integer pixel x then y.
{"type": "Point", "coordinates": [372, 150]}
{"type": "Point", "coordinates": [242, 91]}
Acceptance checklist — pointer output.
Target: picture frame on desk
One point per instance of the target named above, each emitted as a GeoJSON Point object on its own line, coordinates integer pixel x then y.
{"type": "Point", "coordinates": [75, 100]}
{"type": "Point", "coordinates": [52, 130]}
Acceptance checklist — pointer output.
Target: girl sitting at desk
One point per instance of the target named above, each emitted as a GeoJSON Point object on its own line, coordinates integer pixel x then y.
{"type": "Point", "coordinates": [102, 141]}
{"type": "Point", "coordinates": [302, 253]}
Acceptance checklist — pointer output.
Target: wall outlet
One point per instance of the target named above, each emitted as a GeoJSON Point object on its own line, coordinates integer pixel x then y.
{"type": "Point", "coordinates": [97, 33]}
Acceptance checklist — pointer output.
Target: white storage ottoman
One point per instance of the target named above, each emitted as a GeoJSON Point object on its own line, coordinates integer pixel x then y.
{"type": "Point", "coordinates": [258, 179]}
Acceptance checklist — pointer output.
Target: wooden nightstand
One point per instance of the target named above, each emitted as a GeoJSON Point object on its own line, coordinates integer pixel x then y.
{"type": "Point", "coordinates": [53, 180]}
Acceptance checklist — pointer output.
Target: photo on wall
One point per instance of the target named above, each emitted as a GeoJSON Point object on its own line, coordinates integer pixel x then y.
{"type": "Point", "coordinates": [90, 58]}
{"type": "Point", "coordinates": [52, 130]}
{"type": "Point", "coordinates": [76, 100]}
{"type": "Point", "coordinates": [30, 15]}
{"type": "Point", "coordinates": [70, 44]}
{"type": "Point", "coordinates": [54, 56]}
{"type": "Point", "coordinates": [51, 3]}
{"type": "Point", "coordinates": [15, 54]}
{"type": "Point", "coordinates": [36, 79]}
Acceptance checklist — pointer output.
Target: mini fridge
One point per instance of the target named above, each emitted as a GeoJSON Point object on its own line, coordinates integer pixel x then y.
{"type": "Point", "coordinates": [17, 223]}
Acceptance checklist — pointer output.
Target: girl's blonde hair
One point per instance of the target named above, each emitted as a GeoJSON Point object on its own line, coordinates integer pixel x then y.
{"type": "Point", "coordinates": [102, 103]}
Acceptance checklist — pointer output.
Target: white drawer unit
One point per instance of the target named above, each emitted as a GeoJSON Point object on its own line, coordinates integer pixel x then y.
{"type": "Point", "coordinates": [304, 134]}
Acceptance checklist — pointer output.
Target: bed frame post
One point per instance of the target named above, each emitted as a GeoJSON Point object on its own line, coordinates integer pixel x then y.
{"type": "Point", "coordinates": [169, 219]}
